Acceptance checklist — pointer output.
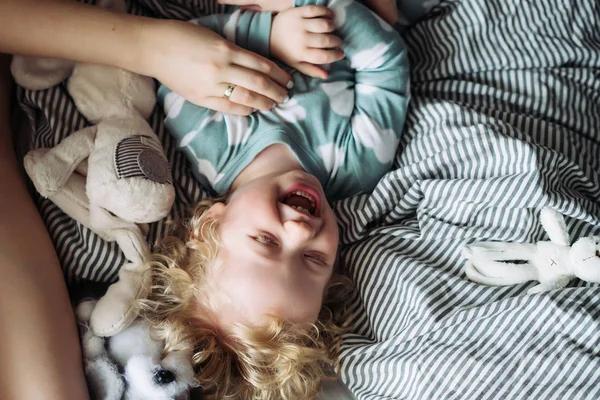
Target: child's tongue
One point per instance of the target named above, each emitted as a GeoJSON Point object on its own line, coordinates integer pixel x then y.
{"type": "Point", "coordinates": [298, 201]}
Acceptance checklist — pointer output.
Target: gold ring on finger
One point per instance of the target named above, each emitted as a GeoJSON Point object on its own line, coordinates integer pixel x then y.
{"type": "Point", "coordinates": [228, 91]}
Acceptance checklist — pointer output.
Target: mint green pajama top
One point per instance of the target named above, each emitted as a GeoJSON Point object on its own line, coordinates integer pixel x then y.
{"type": "Point", "coordinates": [344, 130]}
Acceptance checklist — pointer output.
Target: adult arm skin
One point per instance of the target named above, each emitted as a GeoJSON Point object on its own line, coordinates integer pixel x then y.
{"type": "Point", "coordinates": [39, 351]}
{"type": "Point", "coordinates": [193, 61]}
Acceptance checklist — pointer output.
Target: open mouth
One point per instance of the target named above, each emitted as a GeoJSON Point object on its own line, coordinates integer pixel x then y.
{"type": "Point", "coordinates": [302, 199]}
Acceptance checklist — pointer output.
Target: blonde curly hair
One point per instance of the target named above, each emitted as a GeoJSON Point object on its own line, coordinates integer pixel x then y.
{"type": "Point", "coordinates": [279, 360]}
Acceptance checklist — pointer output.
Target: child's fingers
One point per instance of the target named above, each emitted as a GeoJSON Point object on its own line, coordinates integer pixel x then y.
{"type": "Point", "coordinates": [320, 56]}
{"type": "Point", "coordinates": [322, 41]}
{"type": "Point", "coordinates": [319, 25]}
{"type": "Point", "coordinates": [311, 70]}
{"type": "Point", "coordinates": [315, 12]}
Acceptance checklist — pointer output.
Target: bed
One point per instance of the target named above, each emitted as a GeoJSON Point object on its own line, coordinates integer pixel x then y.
{"type": "Point", "coordinates": [504, 119]}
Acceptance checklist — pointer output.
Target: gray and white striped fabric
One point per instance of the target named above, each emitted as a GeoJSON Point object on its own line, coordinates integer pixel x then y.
{"type": "Point", "coordinates": [504, 119]}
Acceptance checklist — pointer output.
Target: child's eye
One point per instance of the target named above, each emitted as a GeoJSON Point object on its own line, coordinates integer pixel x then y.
{"type": "Point", "coordinates": [317, 258]}
{"type": "Point", "coordinates": [265, 239]}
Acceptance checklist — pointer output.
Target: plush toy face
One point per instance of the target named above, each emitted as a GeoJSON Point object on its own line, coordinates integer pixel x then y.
{"type": "Point", "coordinates": [585, 255]}
{"type": "Point", "coordinates": [129, 364]}
{"type": "Point", "coordinates": [147, 380]}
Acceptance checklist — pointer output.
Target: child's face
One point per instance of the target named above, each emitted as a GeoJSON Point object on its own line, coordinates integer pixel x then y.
{"type": "Point", "coordinates": [273, 259]}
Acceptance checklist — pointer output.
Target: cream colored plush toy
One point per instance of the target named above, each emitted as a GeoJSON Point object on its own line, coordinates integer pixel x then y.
{"type": "Point", "coordinates": [112, 176]}
{"type": "Point", "coordinates": [553, 263]}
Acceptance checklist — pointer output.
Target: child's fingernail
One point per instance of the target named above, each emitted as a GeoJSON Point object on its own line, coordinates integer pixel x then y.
{"type": "Point", "coordinates": [287, 98]}
{"type": "Point", "coordinates": [290, 85]}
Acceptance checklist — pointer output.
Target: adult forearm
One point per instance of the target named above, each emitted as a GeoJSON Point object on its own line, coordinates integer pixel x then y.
{"type": "Point", "coordinates": [70, 30]}
{"type": "Point", "coordinates": [40, 357]}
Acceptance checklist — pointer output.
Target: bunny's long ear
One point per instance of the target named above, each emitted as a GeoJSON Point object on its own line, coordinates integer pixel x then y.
{"type": "Point", "coordinates": [554, 224]}
{"type": "Point", "coordinates": [499, 251]}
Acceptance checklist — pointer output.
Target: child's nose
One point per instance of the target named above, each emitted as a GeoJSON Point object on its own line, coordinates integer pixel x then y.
{"type": "Point", "coordinates": [298, 232]}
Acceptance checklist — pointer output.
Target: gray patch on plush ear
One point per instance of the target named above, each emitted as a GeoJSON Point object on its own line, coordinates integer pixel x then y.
{"type": "Point", "coordinates": [141, 156]}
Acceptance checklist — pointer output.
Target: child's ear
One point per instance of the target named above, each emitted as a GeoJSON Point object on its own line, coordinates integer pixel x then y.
{"type": "Point", "coordinates": [216, 210]}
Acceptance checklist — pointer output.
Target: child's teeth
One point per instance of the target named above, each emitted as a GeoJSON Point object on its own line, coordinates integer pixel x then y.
{"type": "Point", "coordinates": [301, 209]}
{"type": "Point", "coordinates": [306, 196]}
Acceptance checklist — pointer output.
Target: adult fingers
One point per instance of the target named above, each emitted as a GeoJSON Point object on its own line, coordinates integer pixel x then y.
{"type": "Point", "coordinates": [322, 40]}
{"type": "Point", "coordinates": [315, 12]}
{"type": "Point", "coordinates": [248, 98]}
{"type": "Point", "coordinates": [311, 70]}
{"type": "Point", "coordinates": [223, 105]}
{"type": "Point", "coordinates": [319, 25]}
{"type": "Point", "coordinates": [252, 8]}
{"type": "Point", "coordinates": [320, 56]}
{"type": "Point", "coordinates": [255, 82]}
{"type": "Point", "coordinates": [249, 60]}
{"type": "Point", "coordinates": [236, 2]}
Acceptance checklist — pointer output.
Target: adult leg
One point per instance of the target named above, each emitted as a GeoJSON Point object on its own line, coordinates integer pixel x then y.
{"type": "Point", "coordinates": [40, 351]}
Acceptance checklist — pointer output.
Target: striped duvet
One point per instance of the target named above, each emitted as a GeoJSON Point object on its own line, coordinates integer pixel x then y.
{"type": "Point", "coordinates": [504, 119]}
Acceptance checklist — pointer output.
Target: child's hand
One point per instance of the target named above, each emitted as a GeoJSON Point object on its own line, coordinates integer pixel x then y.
{"type": "Point", "coordinates": [302, 38]}
{"type": "Point", "coordinates": [261, 5]}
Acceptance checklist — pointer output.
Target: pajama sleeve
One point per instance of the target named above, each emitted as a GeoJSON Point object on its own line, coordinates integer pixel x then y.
{"type": "Point", "coordinates": [371, 90]}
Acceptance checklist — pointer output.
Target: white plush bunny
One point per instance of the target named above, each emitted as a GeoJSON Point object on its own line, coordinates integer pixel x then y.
{"type": "Point", "coordinates": [554, 264]}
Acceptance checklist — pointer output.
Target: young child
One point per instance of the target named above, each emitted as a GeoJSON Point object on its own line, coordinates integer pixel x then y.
{"type": "Point", "coordinates": [249, 281]}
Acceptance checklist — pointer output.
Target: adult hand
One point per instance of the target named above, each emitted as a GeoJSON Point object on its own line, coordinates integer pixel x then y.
{"type": "Point", "coordinates": [302, 37]}
{"type": "Point", "coordinates": [261, 5]}
{"type": "Point", "coordinates": [200, 65]}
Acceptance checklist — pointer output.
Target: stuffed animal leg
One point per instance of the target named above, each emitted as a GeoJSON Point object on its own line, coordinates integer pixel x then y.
{"type": "Point", "coordinates": [127, 234]}
{"type": "Point", "coordinates": [553, 263]}
{"type": "Point", "coordinates": [488, 263]}
{"type": "Point", "coordinates": [555, 227]}
{"type": "Point", "coordinates": [114, 311]}
{"type": "Point", "coordinates": [59, 175]}
{"type": "Point", "coordinates": [50, 169]}
{"type": "Point", "coordinates": [103, 376]}
{"type": "Point", "coordinates": [557, 283]}
{"type": "Point", "coordinates": [71, 198]}
{"type": "Point", "coordinates": [37, 73]}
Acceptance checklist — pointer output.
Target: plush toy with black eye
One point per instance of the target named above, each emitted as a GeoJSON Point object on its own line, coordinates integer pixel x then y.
{"type": "Point", "coordinates": [130, 365]}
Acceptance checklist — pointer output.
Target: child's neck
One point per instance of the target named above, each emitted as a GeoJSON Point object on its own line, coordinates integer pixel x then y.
{"type": "Point", "coordinates": [275, 159]}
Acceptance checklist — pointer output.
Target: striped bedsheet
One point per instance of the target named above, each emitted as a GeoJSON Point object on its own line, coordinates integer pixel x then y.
{"type": "Point", "coordinates": [504, 119]}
